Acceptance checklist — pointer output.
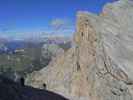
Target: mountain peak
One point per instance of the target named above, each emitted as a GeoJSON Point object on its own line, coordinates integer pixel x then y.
{"type": "Point", "coordinates": [99, 66]}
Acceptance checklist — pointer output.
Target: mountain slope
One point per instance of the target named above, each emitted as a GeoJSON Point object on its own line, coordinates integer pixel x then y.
{"type": "Point", "coordinates": [99, 67]}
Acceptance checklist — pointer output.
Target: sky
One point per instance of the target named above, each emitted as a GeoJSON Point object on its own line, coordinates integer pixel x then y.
{"type": "Point", "coordinates": [24, 18]}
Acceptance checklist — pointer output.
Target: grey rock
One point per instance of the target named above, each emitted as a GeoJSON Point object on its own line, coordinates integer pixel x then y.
{"type": "Point", "coordinates": [99, 67]}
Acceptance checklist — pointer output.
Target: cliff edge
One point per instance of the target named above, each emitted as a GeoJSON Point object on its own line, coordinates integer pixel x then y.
{"type": "Point", "coordinates": [99, 66]}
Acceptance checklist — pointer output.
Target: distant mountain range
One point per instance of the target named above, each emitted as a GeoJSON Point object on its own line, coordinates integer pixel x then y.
{"type": "Point", "coordinates": [9, 45]}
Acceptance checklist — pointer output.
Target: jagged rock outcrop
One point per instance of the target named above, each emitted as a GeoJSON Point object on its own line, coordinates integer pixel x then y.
{"type": "Point", "coordinates": [99, 67]}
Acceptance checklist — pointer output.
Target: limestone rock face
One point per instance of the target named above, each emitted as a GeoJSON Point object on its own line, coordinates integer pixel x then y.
{"type": "Point", "coordinates": [99, 66]}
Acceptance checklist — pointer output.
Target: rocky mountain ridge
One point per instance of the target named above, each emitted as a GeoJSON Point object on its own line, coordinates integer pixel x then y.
{"type": "Point", "coordinates": [10, 90]}
{"type": "Point", "coordinates": [99, 66]}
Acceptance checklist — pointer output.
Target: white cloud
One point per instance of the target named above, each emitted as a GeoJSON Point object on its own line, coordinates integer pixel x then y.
{"type": "Point", "coordinates": [60, 24]}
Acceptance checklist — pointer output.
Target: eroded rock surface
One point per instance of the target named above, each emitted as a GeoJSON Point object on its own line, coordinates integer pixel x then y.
{"type": "Point", "coordinates": [99, 67]}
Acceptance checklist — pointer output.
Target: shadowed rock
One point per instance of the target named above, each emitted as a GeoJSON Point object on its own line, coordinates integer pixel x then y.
{"type": "Point", "coordinates": [10, 90]}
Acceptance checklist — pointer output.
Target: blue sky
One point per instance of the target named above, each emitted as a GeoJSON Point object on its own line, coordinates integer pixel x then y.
{"type": "Point", "coordinates": [21, 17]}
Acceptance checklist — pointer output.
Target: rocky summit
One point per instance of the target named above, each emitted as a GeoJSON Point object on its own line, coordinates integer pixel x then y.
{"type": "Point", "coordinates": [99, 65]}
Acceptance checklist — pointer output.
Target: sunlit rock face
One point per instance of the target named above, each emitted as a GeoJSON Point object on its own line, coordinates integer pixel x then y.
{"type": "Point", "coordinates": [99, 66]}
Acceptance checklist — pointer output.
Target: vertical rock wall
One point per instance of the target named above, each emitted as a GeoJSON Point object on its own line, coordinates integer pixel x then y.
{"type": "Point", "coordinates": [99, 67]}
